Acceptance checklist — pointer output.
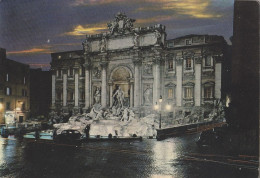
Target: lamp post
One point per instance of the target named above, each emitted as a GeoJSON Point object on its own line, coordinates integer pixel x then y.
{"type": "Point", "coordinates": [160, 111]}
{"type": "Point", "coordinates": [159, 108]}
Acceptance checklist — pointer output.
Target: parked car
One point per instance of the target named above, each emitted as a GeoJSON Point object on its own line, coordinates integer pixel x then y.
{"type": "Point", "coordinates": [69, 136]}
{"type": "Point", "coordinates": [209, 138]}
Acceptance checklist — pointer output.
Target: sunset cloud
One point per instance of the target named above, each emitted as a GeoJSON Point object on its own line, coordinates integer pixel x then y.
{"type": "Point", "coordinates": [44, 49]}
{"type": "Point", "coordinates": [193, 8]}
{"type": "Point", "coordinates": [31, 51]}
{"type": "Point", "coordinates": [81, 30]}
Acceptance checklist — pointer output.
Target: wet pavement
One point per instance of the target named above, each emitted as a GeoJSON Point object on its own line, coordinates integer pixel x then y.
{"type": "Point", "coordinates": [174, 157]}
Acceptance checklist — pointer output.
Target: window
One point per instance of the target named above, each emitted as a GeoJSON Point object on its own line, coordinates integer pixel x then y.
{"type": "Point", "coordinates": [82, 95]}
{"type": "Point", "coordinates": [8, 91]}
{"type": "Point", "coordinates": [188, 42]}
{"type": "Point", "coordinates": [7, 77]}
{"type": "Point", "coordinates": [83, 71]}
{"type": "Point", "coordinates": [188, 64]}
{"type": "Point", "coordinates": [170, 45]}
{"type": "Point", "coordinates": [170, 93]}
{"type": "Point", "coordinates": [170, 65]}
{"type": "Point", "coordinates": [8, 106]}
{"type": "Point", "coordinates": [208, 61]}
{"type": "Point", "coordinates": [208, 92]}
{"type": "Point", "coordinates": [23, 106]}
{"type": "Point", "coordinates": [24, 80]}
{"type": "Point", "coordinates": [188, 92]}
{"type": "Point", "coordinates": [24, 92]}
{"type": "Point", "coordinates": [70, 96]}
{"type": "Point", "coordinates": [59, 95]}
{"type": "Point", "coordinates": [71, 71]}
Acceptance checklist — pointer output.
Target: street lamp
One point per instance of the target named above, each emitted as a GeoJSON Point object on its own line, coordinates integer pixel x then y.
{"type": "Point", "coordinates": [159, 108]}
{"type": "Point", "coordinates": [168, 107]}
{"type": "Point", "coordinates": [160, 101]}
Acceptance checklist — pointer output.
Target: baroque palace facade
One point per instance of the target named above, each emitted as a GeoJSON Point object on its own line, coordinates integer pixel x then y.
{"type": "Point", "coordinates": [185, 72]}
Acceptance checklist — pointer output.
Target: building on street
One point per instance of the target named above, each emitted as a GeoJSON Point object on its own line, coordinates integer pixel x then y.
{"type": "Point", "coordinates": [185, 72]}
{"type": "Point", "coordinates": [14, 90]}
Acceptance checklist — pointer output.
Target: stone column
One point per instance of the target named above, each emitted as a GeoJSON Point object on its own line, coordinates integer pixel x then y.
{"type": "Point", "coordinates": [131, 93]}
{"type": "Point", "coordinates": [197, 82]}
{"type": "Point", "coordinates": [87, 71]}
{"type": "Point", "coordinates": [218, 69]}
{"type": "Point", "coordinates": [179, 82]}
{"type": "Point", "coordinates": [156, 81]}
{"type": "Point", "coordinates": [76, 88]}
{"type": "Point", "coordinates": [64, 88]}
{"type": "Point", "coordinates": [110, 93]}
{"type": "Point", "coordinates": [137, 88]}
{"type": "Point", "coordinates": [53, 91]}
{"type": "Point", "coordinates": [104, 84]}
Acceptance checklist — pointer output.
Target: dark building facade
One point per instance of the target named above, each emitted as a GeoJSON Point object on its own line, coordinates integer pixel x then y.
{"type": "Point", "coordinates": [14, 90]}
{"type": "Point", "coordinates": [185, 72]}
{"type": "Point", "coordinates": [245, 65]}
{"type": "Point", "coordinates": [40, 95]}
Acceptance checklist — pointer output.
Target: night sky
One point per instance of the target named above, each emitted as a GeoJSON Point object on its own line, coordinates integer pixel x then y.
{"type": "Point", "coordinates": [32, 29]}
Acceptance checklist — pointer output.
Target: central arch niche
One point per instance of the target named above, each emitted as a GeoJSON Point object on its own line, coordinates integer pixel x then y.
{"type": "Point", "coordinates": [120, 77]}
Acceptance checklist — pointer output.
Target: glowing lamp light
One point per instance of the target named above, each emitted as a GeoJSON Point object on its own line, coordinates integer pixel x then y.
{"type": "Point", "coordinates": [156, 106]}
{"type": "Point", "coordinates": [160, 100]}
{"type": "Point", "coordinates": [18, 109]}
{"type": "Point", "coordinates": [168, 107]}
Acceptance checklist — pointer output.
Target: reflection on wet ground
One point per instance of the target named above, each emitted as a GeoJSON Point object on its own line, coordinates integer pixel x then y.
{"type": "Point", "coordinates": [173, 157]}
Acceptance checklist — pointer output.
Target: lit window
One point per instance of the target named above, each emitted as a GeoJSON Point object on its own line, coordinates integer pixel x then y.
{"type": "Point", "coordinates": [170, 93]}
{"type": "Point", "coordinates": [8, 91]}
{"type": "Point", "coordinates": [208, 92]}
{"type": "Point", "coordinates": [188, 64]}
{"type": "Point", "coordinates": [7, 77]}
{"type": "Point", "coordinates": [188, 92]}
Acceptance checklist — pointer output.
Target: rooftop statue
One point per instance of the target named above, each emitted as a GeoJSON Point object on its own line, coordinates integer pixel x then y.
{"type": "Point", "coordinates": [121, 24]}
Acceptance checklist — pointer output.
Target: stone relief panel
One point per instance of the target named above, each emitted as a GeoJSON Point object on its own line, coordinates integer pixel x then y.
{"type": "Point", "coordinates": [148, 95]}
{"type": "Point", "coordinates": [148, 68]}
{"type": "Point", "coordinates": [96, 72]}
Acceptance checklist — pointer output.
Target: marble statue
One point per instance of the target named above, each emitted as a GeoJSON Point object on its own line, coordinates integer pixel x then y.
{"type": "Point", "coordinates": [158, 36]}
{"type": "Point", "coordinates": [136, 40]}
{"type": "Point", "coordinates": [103, 45]}
{"type": "Point", "coordinates": [118, 98]}
{"type": "Point", "coordinates": [97, 95]}
{"type": "Point", "coordinates": [147, 96]}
